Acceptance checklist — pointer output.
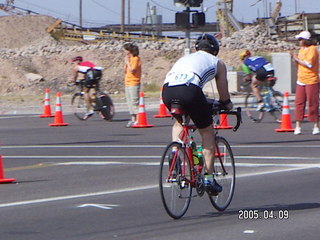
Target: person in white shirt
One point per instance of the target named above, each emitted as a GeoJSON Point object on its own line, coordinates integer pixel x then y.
{"type": "Point", "coordinates": [185, 82]}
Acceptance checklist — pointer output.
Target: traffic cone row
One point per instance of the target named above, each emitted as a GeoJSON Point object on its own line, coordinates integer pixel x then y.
{"type": "Point", "coordinates": [58, 116]}
{"type": "Point", "coordinates": [2, 178]}
{"type": "Point", "coordinates": [142, 115]}
{"type": "Point", "coordinates": [286, 117]}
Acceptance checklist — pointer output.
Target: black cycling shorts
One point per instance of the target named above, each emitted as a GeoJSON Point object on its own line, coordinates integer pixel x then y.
{"type": "Point", "coordinates": [193, 100]}
{"type": "Point", "coordinates": [263, 74]}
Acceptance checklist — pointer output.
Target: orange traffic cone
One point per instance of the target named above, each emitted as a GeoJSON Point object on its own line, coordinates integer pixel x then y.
{"type": "Point", "coordinates": [2, 179]}
{"type": "Point", "coordinates": [142, 116]}
{"type": "Point", "coordinates": [286, 117]}
{"type": "Point", "coordinates": [46, 107]}
{"type": "Point", "coordinates": [223, 122]}
{"type": "Point", "coordinates": [58, 118]}
{"type": "Point", "coordinates": [162, 109]}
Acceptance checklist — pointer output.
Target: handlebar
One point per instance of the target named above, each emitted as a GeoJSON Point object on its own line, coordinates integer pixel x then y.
{"type": "Point", "coordinates": [237, 113]}
{"type": "Point", "coordinates": [217, 109]}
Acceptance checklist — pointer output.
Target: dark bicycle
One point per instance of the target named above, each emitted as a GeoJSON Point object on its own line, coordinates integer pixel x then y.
{"type": "Point", "coordinates": [102, 102]}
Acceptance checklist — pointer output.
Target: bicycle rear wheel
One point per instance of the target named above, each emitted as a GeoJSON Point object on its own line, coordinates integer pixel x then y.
{"type": "Point", "coordinates": [276, 106]}
{"type": "Point", "coordinates": [224, 174]}
{"type": "Point", "coordinates": [174, 181]}
{"type": "Point", "coordinates": [105, 106]}
{"type": "Point", "coordinates": [251, 104]}
{"type": "Point", "coordinates": [79, 106]}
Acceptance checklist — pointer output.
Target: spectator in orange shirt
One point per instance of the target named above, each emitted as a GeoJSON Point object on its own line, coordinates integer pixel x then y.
{"type": "Point", "coordinates": [307, 89]}
{"type": "Point", "coordinates": [132, 80]}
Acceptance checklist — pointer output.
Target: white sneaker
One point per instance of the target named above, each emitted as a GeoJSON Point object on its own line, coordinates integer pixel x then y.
{"type": "Point", "coordinates": [315, 131]}
{"type": "Point", "coordinates": [260, 107]}
{"type": "Point", "coordinates": [297, 131]}
{"type": "Point", "coordinates": [88, 114]}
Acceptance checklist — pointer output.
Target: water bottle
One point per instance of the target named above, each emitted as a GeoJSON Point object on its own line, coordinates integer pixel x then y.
{"type": "Point", "coordinates": [200, 155]}
{"type": "Point", "coordinates": [194, 151]}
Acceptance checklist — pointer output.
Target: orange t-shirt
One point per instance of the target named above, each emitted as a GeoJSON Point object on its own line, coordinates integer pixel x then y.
{"type": "Point", "coordinates": [308, 75]}
{"type": "Point", "coordinates": [133, 79]}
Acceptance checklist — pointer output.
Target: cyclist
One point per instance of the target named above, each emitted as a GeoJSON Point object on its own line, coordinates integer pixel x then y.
{"type": "Point", "coordinates": [185, 82]}
{"type": "Point", "coordinates": [80, 72]}
{"type": "Point", "coordinates": [262, 70]}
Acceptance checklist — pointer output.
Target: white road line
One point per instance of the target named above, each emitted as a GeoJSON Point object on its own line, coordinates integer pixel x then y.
{"type": "Point", "coordinates": [150, 146]}
{"type": "Point", "coordinates": [82, 146]}
{"type": "Point", "coordinates": [101, 206]}
{"type": "Point", "coordinates": [81, 157]}
{"type": "Point", "coordinates": [107, 163]}
{"type": "Point", "coordinates": [145, 157]}
{"type": "Point", "coordinates": [292, 165]}
{"type": "Point", "coordinates": [53, 199]}
{"type": "Point", "coordinates": [68, 197]}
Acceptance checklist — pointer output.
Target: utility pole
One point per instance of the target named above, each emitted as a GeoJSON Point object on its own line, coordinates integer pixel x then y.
{"type": "Point", "coordinates": [129, 10]}
{"type": "Point", "coordinates": [122, 15]}
{"type": "Point", "coordinates": [80, 13]}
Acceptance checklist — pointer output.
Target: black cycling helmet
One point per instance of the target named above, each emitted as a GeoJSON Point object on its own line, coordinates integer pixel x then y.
{"type": "Point", "coordinates": [208, 43]}
{"type": "Point", "coordinates": [78, 58]}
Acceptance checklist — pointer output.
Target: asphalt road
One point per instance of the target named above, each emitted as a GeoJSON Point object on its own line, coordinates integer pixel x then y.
{"type": "Point", "coordinates": [99, 180]}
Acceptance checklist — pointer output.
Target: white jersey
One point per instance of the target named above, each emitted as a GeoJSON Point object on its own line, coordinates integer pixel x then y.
{"type": "Point", "coordinates": [84, 69]}
{"type": "Point", "coordinates": [196, 68]}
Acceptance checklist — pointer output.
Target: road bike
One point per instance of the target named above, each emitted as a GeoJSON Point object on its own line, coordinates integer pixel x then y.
{"type": "Point", "coordinates": [102, 102]}
{"type": "Point", "coordinates": [179, 175]}
{"type": "Point", "coordinates": [271, 98]}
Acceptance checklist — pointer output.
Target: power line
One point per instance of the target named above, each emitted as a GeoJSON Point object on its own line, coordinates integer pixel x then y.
{"type": "Point", "coordinates": [159, 5]}
{"type": "Point", "coordinates": [66, 17]}
{"type": "Point", "coordinates": [104, 7]}
{"type": "Point", "coordinates": [108, 9]}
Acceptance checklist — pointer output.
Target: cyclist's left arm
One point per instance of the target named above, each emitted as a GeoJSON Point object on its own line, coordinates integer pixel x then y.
{"type": "Point", "coordinates": [222, 85]}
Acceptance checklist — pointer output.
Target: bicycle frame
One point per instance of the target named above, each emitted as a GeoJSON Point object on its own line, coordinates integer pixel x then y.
{"type": "Point", "coordinates": [179, 175]}
{"type": "Point", "coordinates": [184, 141]}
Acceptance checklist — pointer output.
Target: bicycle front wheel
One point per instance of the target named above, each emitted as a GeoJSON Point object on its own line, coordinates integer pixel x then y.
{"type": "Point", "coordinates": [105, 106]}
{"type": "Point", "coordinates": [174, 181]}
{"type": "Point", "coordinates": [251, 104]}
{"type": "Point", "coordinates": [224, 174]}
{"type": "Point", "coordinates": [79, 106]}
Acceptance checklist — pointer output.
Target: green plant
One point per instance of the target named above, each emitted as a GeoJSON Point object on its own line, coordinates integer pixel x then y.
{"type": "Point", "coordinates": [151, 87]}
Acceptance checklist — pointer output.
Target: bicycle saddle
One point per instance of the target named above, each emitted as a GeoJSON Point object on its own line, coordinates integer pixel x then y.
{"type": "Point", "coordinates": [177, 110]}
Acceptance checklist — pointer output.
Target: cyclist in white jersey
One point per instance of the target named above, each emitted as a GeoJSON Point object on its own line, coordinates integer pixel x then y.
{"type": "Point", "coordinates": [80, 72]}
{"type": "Point", "coordinates": [184, 82]}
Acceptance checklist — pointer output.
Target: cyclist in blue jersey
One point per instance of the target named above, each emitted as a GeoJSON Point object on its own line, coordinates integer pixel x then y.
{"type": "Point", "coordinates": [261, 68]}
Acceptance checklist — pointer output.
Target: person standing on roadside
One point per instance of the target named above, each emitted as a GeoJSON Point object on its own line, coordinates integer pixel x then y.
{"type": "Point", "coordinates": [132, 80]}
{"type": "Point", "coordinates": [307, 88]}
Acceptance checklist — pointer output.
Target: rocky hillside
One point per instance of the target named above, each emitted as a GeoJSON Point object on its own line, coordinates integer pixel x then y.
{"type": "Point", "coordinates": [32, 60]}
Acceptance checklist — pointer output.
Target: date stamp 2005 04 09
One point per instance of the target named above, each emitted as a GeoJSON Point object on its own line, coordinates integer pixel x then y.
{"type": "Point", "coordinates": [263, 214]}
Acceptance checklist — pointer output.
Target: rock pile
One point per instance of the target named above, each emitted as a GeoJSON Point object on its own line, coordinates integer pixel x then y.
{"type": "Point", "coordinates": [255, 38]}
{"type": "Point", "coordinates": [48, 46]}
